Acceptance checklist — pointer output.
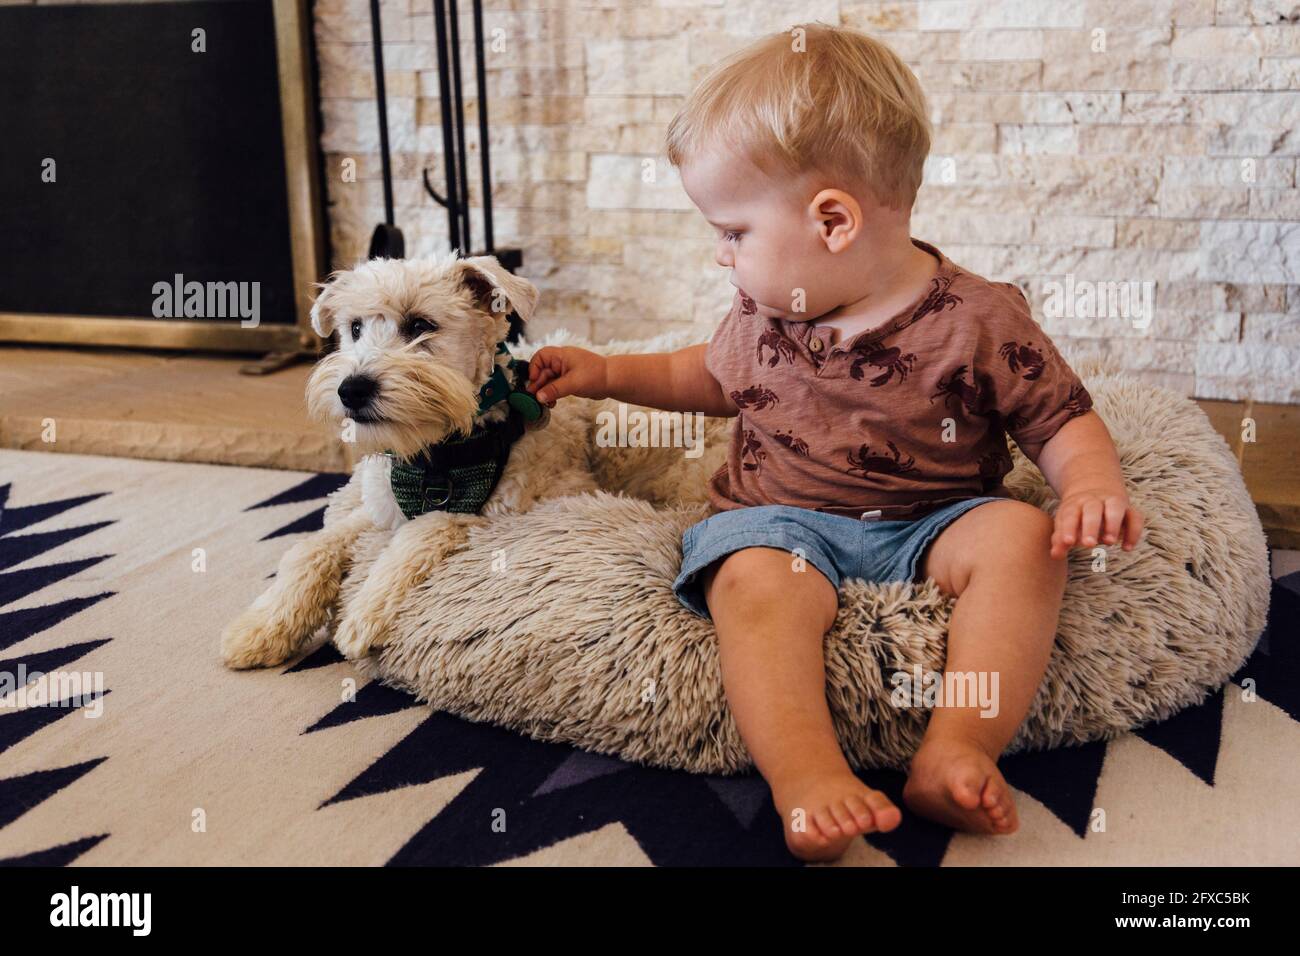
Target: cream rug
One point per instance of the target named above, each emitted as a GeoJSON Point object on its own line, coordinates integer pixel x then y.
{"type": "Point", "coordinates": [116, 576]}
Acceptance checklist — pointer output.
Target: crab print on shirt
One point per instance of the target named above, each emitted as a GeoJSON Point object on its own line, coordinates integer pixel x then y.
{"type": "Point", "coordinates": [902, 418]}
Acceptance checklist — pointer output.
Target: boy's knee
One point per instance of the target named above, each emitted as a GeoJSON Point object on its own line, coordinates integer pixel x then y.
{"type": "Point", "coordinates": [1028, 541]}
{"type": "Point", "coordinates": [1018, 537]}
{"type": "Point", "coordinates": [754, 578]}
{"type": "Point", "coordinates": [741, 573]}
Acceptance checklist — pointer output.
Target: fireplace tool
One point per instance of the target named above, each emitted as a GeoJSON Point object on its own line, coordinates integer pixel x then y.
{"type": "Point", "coordinates": [387, 239]}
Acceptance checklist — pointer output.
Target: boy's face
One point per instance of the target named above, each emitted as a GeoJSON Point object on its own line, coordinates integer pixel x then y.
{"type": "Point", "coordinates": [768, 234]}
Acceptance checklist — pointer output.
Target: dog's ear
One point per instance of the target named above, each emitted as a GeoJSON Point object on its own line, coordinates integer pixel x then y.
{"type": "Point", "coordinates": [497, 289]}
{"type": "Point", "coordinates": [322, 310]}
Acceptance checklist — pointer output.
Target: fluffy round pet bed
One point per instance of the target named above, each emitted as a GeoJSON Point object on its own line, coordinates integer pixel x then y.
{"type": "Point", "coordinates": [561, 624]}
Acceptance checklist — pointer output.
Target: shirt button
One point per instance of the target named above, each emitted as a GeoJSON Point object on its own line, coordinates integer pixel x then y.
{"type": "Point", "coordinates": [815, 345]}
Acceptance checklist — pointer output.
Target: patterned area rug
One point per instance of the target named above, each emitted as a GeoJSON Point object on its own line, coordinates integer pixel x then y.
{"type": "Point", "coordinates": [124, 741]}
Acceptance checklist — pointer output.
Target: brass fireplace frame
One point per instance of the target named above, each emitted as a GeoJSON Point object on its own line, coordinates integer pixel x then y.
{"type": "Point", "coordinates": [293, 34]}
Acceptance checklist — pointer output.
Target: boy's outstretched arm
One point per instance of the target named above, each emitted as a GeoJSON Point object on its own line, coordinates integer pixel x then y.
{"type": "Point", "coordinates": [1082, 466]}
{"type": "Point", "coordinates": [672, 381]}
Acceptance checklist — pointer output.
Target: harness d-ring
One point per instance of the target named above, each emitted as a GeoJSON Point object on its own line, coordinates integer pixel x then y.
{"type": "Point", "coordinates": [442, 501]}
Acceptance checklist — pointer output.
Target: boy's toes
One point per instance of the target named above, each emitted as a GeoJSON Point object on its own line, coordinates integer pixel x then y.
{"type": "Point", "coordinates": [999, 805]}
{"type": "Point", "coordinates": [960, 787]}
{"type": "Point", "coordinates": [965, 787]}
{"type": "Point", "coordinates": [883, 812]}
{"type": "Point", "coordinates": [815, 845]}
{"type": "Point", "coordinates": [862, 815]}
{"type": "Point", "coordinates": [829, 826]}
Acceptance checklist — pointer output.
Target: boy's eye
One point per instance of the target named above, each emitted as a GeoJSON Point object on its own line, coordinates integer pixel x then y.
{"type": "Point", "coordinates": [356, 329]}
{"type": "Point", "coordinates": [731, 236]}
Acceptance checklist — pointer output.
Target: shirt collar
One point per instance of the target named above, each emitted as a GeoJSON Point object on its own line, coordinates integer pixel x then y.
{"type": "Point", "coordinates": [802, 331]}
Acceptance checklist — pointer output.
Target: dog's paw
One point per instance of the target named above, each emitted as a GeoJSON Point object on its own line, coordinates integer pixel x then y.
{"type": "Point", "coordinates": [251, 641]}
{"type": "Point", "coordinates": [357, 638]}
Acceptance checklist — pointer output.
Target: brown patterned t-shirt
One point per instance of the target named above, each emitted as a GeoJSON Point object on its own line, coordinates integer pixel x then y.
{"type": "Point", "coordinates": [903, 418]}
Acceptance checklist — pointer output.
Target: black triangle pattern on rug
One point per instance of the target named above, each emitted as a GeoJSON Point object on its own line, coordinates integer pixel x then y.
{"type": "Point", "coordinates": [560, 792]}
{"type": "Point", "coordinates": [1063, 780]}
{"type": "Point", "coordinates": [554, 792]}
{"type": "Point", "coordinates": [317, 486]}
{"type": "Point", "coordinates": [1192, 737]}
{"type": "Point", "coordinates": [20, 794]}
{"type": "Point", "coordinates": [916, 841]}
{"type": "Point", "coordinates": [372, 700]}
{"type": "Point", "coordinates": [21, 725]}
{"type": "Point", "coordinates": [50, 660]}
{"type": "Point", "coordinates": [307, 523]}
{"type": "Point", "coordinates": [15, 519]}
{"type": "Point", "coordinates": [19, 548]}
{"type": "Point", "coordinates": [549, 792]}
{"type": "Point", "coordinates": [19, 625]}
{"type": "Point", "coordinates": [61, 855]}
{"type": "Point", "coordinates": [16, 585]}
{"type": "Point", "coordinates": [323, 656]}
{"type": "Point", "coordinates": [1275, 666]}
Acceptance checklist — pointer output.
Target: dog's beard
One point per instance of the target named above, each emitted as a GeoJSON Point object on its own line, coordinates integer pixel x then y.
{"type": "Point", "coordinates": [418, 401]}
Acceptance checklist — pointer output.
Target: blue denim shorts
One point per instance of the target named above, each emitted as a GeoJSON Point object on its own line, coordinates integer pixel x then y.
{"type": "Point", "coordinates": [837, 546]}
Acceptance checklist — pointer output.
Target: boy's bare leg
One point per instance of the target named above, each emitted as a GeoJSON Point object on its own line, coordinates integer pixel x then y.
{"type": "Point", "coordinates": [994, 559]}
{"type": "Point", "coordinates": [771, 620]}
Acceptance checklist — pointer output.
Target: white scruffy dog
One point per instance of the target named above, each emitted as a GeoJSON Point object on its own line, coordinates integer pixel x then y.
{"type": "Point", "coordinates": [418, 346]}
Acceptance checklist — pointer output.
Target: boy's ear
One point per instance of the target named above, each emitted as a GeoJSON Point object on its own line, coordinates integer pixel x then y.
{"type": "Point", "coordinates": [497, 289]}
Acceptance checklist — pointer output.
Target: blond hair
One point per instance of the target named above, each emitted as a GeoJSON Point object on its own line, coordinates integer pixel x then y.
{"type": "Point", "coordinates": [840, 102]}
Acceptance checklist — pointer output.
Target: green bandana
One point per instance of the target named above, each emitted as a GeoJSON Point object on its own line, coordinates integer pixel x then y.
{"type": "Point", "coordinates": [459, 473]}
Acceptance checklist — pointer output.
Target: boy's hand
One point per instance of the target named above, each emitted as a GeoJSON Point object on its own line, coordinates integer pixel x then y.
{"type": "Point", "coordinates": [559, 370]}
{"type": "Point", "coordinates": [1089, 516]}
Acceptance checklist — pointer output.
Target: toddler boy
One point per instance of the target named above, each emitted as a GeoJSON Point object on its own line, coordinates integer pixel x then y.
{"type": "Point", "coordinates": [874, 382]}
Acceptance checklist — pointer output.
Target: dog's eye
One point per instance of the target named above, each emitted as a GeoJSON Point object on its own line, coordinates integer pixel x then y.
{"type": "Point", "coordinates": [356, 329]}
{"type": "Point", "coordinates": [421, 326]}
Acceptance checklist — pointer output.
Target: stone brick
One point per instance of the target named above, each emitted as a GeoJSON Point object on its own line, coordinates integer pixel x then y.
{"type": "Point", "coordinates": [1262, 12]}
{"type": "Point", "coordinates": [1271, 328]}
{"type": "Point", "coordinates": [1163, 140]}
{"type": "Point", "coordinates": [877, 16]}
{"type": "Point", "coordinates": [1158, 234]}
{"type": "Point", "coordinates": [1223, 41]}
{"type": "Point", "coordinates": [1116, 59]}
{"type": "Point", "coordinates": [1262, 371]}
{"type": "Point", "coordinates": [1265, 252]}
{"type": "Point", "coordinates": [1038, 139]}
{"type": "Point", "coordinates": [1275, 204]}
{"type": "Point", "coordinates": [651, 66]}
{"type": "Point", "coordinates": [973, 14]}
{"type": "Point", "coordinates": [1114, 166]}
{"type": "Point", "coordinates": [756, 17]}
{"type": "Point", "coordinates": [980, 75]}
{"type": "Point", "coordinates": [618, 182]}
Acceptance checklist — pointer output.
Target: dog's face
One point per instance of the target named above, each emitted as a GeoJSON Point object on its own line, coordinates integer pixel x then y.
{"type": "Point", "coordinates": [417, 339]}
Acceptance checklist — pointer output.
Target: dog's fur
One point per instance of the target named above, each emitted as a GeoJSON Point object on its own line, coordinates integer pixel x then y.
{"type": "Point", "coordinates": [426, 388]}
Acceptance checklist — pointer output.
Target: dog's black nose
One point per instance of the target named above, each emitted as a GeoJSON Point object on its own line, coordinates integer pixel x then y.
{"type": "Point", "coordinates": [355, 391]}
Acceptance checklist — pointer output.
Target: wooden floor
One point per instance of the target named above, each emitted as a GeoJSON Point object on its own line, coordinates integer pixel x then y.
{"type": "Point", "coordinates": [198, 407]}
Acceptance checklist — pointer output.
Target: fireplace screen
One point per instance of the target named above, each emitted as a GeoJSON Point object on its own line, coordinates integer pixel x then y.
{"type": "Point", "coordinates": [159, 179]}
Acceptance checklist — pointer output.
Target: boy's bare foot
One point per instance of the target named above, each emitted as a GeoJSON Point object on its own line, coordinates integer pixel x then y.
{"type": "Point", "coordinates": [823, 814]}
{"type": "Point", "coordinates": [954, 782]}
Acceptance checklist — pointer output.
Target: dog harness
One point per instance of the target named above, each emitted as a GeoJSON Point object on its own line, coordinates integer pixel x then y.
{"type": "Point", "coordinates": [459, 473]}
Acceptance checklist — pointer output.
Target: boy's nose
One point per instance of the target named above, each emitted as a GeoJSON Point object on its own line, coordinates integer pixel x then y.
{"type": "Point", "coordinates": [722, 255]}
